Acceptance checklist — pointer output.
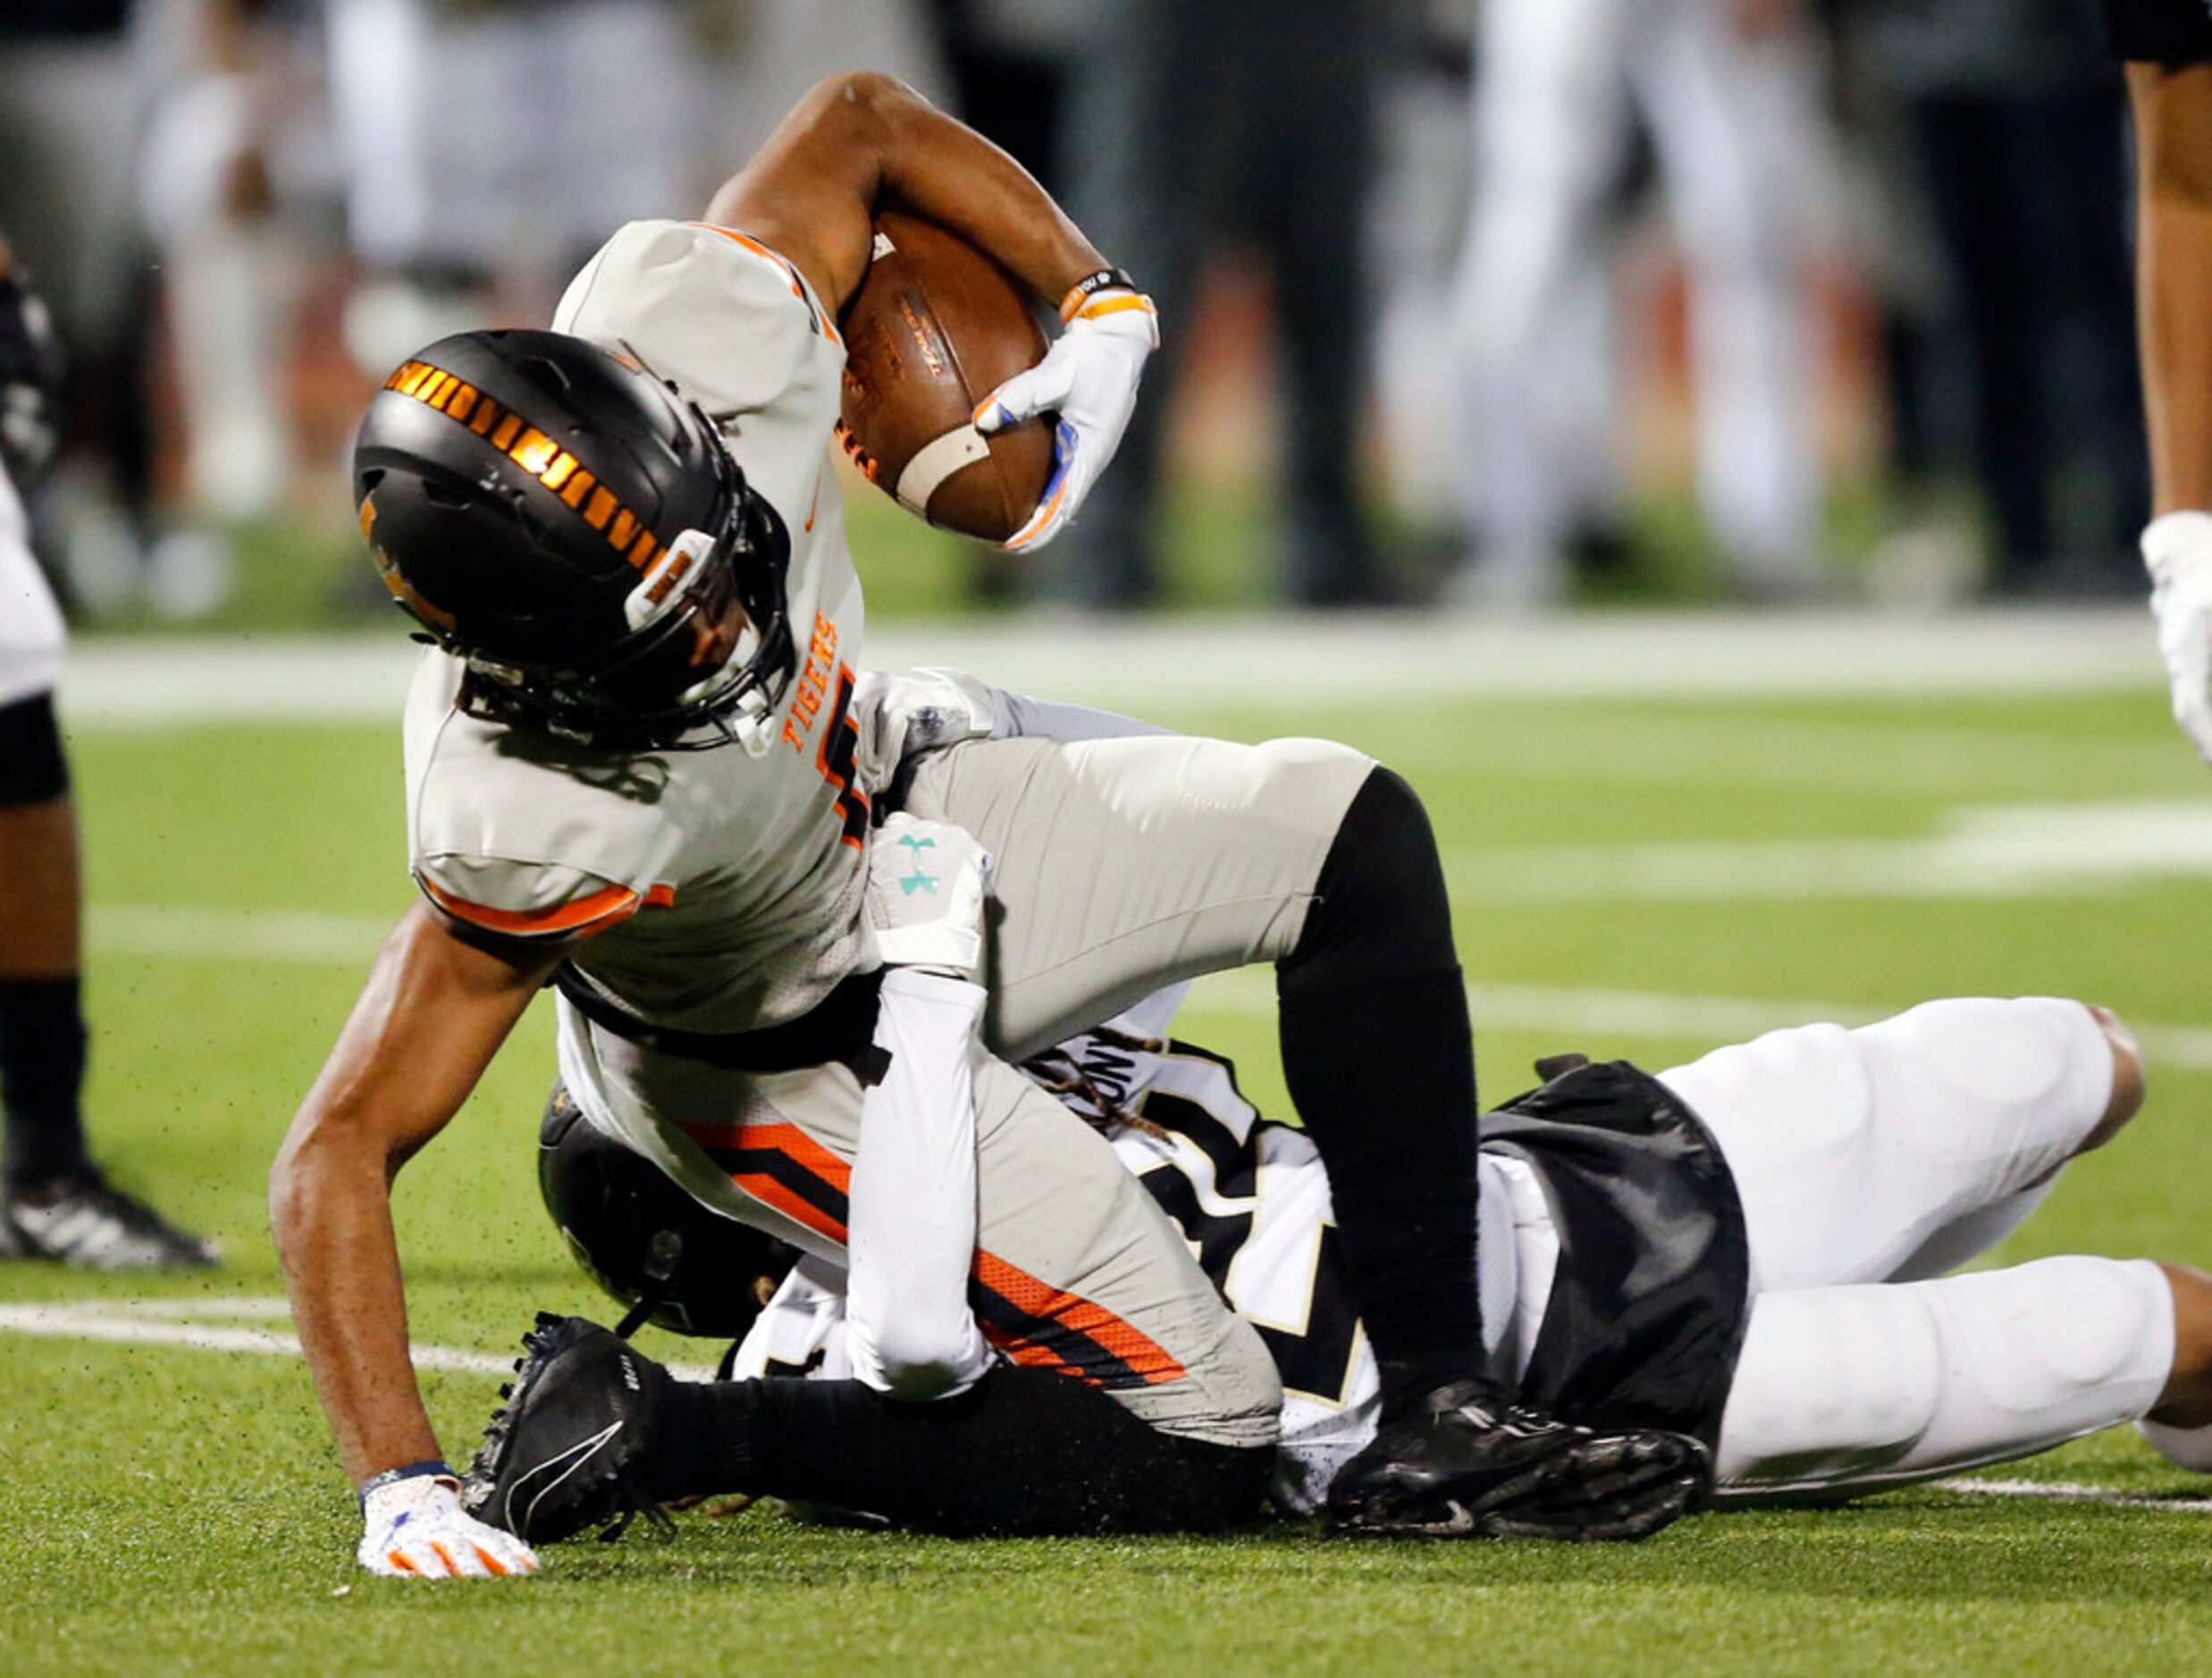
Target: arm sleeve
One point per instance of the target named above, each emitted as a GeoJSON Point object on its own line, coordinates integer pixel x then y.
{"type": "Point", "coordinates": [912, 1241]}
{"type": "Point", "coordinates": [2158, 31]}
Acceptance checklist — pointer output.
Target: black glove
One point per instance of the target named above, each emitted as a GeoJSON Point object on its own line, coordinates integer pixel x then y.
{"type": "Point", "coordinates": [30, 379]}
{"type": "Point", "coordinates": [1465, 1461]}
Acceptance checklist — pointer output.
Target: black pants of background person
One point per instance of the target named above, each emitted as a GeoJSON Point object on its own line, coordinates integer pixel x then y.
{"type": "Point", "coordinates": [2029, 195]}
{"type": "Point", "coordinates": [1189, 124]}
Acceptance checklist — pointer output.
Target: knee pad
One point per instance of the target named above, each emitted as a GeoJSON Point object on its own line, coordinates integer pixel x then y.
{"type": "Point", "coordinates": [32, 769]}
{"type": "Point", "coordinates": [1381, 909]}
{"type": "Point", "coordinates": [2026, 1335]}
{"type": "Point", "coordinates": [1832, 1382]}
{"type": "Point", "coordinates": [2036, 1055]}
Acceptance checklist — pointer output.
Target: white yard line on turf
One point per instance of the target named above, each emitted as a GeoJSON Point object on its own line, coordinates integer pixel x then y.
{"type": "Point", "coordinates": [1979, 851]}
{"type": "Point", "coordinates": [2067, 1492]}
{"type": "Point", "coordinates": [1321, 663]}
{"type": "Point", "coordinates": [200, 1325]}
{"type": "Point", "coordinates": [180, 1323]}
{"type": "Point", "coordinates": [348, 941]}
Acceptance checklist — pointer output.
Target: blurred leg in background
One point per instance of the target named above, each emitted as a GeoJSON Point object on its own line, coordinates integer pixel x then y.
{"type": "Point", "coordinates": [2015, 120]}
{"type": "Point", "coordinates": [71, 84]}
{"type": "Point", "coordinates": [54, 1203]}
{"type": "Point", "coordinates": [463, 200]}
{"type": "Point", "coordinates": [1191, 120]}
{"type": "Point", "coordinates": [1726, 101]}
{"type": "Point", "coordinates": [1730, 99]}
{"type": "Point", "coordinates": [1531, 329]}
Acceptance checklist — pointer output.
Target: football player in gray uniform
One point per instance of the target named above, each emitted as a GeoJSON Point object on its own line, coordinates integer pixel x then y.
{"type": "Point", "coordinates": [1836, 1357]}
{"type": "Point", "coordinates": [638, 770]}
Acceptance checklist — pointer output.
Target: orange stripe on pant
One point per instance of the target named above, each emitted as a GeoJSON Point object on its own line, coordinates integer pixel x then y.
{"type": "Point", "coordinates": [1050, 1308]}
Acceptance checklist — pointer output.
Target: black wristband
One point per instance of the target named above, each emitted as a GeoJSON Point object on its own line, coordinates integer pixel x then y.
{"type": "Point", "coordinates": [1090, 285]}
{"type": "Point", "coordinates": [434, 1467]}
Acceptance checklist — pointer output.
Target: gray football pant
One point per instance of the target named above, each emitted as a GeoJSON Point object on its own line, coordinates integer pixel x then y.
{"type": "Point", "coordinates": [1122, 865]}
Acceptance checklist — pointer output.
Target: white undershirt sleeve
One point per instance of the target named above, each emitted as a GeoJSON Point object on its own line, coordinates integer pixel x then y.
{"type": "Point", "coordinates": [913, 1216]}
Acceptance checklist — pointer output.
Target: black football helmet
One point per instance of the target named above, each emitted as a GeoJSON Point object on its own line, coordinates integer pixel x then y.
{"type": "Point", "coordinates": [669, 1259]}
{"type": "Point", "coordinates": [557, 516]}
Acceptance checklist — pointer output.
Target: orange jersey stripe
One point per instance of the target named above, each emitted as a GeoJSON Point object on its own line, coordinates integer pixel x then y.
{"type": "Point", "coordinates": [592, 913]}
{"type": "Point", "coordinates": [798, 290]}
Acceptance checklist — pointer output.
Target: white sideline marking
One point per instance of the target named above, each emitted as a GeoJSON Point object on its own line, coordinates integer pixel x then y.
{"type": "Point", "coordinates": [1986, 851]}
{"type": "Point", "coordinates": [1324, 663]}
{"type": "Point", "coordinates": [1732, 746]}
{"type": "Point", "coordinates": [312, 937]}
{"type": "Point", "coordinates": [2067, 1492]}
{"type": "Point", "coordinates": [1992, 851]}
{"type": "Point", "coordinates": [176, 1322]}
{"type": "Point", "coordinates": [1603, 1014]}
{"type": "Point", "coordinates": [350, 941]}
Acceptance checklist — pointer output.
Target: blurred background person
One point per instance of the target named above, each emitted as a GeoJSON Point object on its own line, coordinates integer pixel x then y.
{"type": "Point", "coordinates": [73, 82]}
{"type": "Point", "coordinates": [2019, 366]}
{"type": "Point", "coordinates": [488, 146]}
{"type": "Point", "coordinates": [1189, 124]}
{"type": "Point", "coordinates": [54, 1202]}
{"type": "Point", "coordinates": [236, 161]}
{"type": "Point", "coordinates": [1726, 90]}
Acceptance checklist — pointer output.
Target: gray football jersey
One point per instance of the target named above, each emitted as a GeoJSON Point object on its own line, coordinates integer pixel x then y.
{"type": "Point", "coordinates": [718, 889]}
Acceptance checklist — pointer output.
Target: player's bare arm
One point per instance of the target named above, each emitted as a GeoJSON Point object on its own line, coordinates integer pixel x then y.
{"type": "Point", "coordinates": [2173, 106]}
{"type": "Point", "coordinates": [434, 1013]}
{"type": "Point", "coordinates": [861, 142]}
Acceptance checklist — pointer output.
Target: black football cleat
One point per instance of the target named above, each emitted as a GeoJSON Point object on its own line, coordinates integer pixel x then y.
{"type": "Point", "coordinates": [86, 1221]}
{"type": "Point", "coordinates": [1464, 1462]}
{"type": "Point", "coordinates": [564, 1453]}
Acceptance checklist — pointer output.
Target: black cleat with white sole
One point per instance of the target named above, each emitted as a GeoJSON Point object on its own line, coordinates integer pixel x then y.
{"type": "Point", "coordinates": [1465, 1463]}
{"type": "Point", "coordinates": [564, 1453]}
{"type": "Point", "coordinates": [84, 1219]}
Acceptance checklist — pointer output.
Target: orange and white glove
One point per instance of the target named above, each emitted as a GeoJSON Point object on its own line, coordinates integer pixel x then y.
{"type": "Point", "coordinates": [2178, 549]}
{"type": "Point", "coordinates": [1089, 378]}
{"type": "Point", "coordinates": [413, 1527]}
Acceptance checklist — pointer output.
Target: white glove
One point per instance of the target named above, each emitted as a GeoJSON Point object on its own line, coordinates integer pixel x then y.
{"type": "Point", "coordinates": [902, 716]}
{"type": "Point", "coordinates": [927, 882]}
{"type": "Point", "coordinates": [1090, 377]}
{"type": "Point", "coordinates": [413, 1527]}
{"type": "Point", "coordinates": [2178, 549]}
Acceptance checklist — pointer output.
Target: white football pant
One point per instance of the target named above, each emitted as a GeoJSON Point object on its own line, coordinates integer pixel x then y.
{"type": "Point", "coordinates": [1868, 1160]}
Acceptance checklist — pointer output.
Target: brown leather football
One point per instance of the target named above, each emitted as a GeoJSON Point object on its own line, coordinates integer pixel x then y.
{"type": "Point", "coordinates": [934, 328]}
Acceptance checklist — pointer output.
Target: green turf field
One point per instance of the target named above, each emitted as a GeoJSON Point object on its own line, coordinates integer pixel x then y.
{"type": "Point", "coordinates": [1643, 877]}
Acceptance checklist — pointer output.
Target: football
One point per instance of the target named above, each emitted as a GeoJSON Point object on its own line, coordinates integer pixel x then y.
{"type": "Point", "coordinates": [934, 328]}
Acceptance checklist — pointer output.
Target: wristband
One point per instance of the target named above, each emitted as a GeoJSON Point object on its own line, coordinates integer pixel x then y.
{"type": "Point", "coordinates": [1090, 286]}
{"type": "Point", "coordinates": [435, 1466]}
